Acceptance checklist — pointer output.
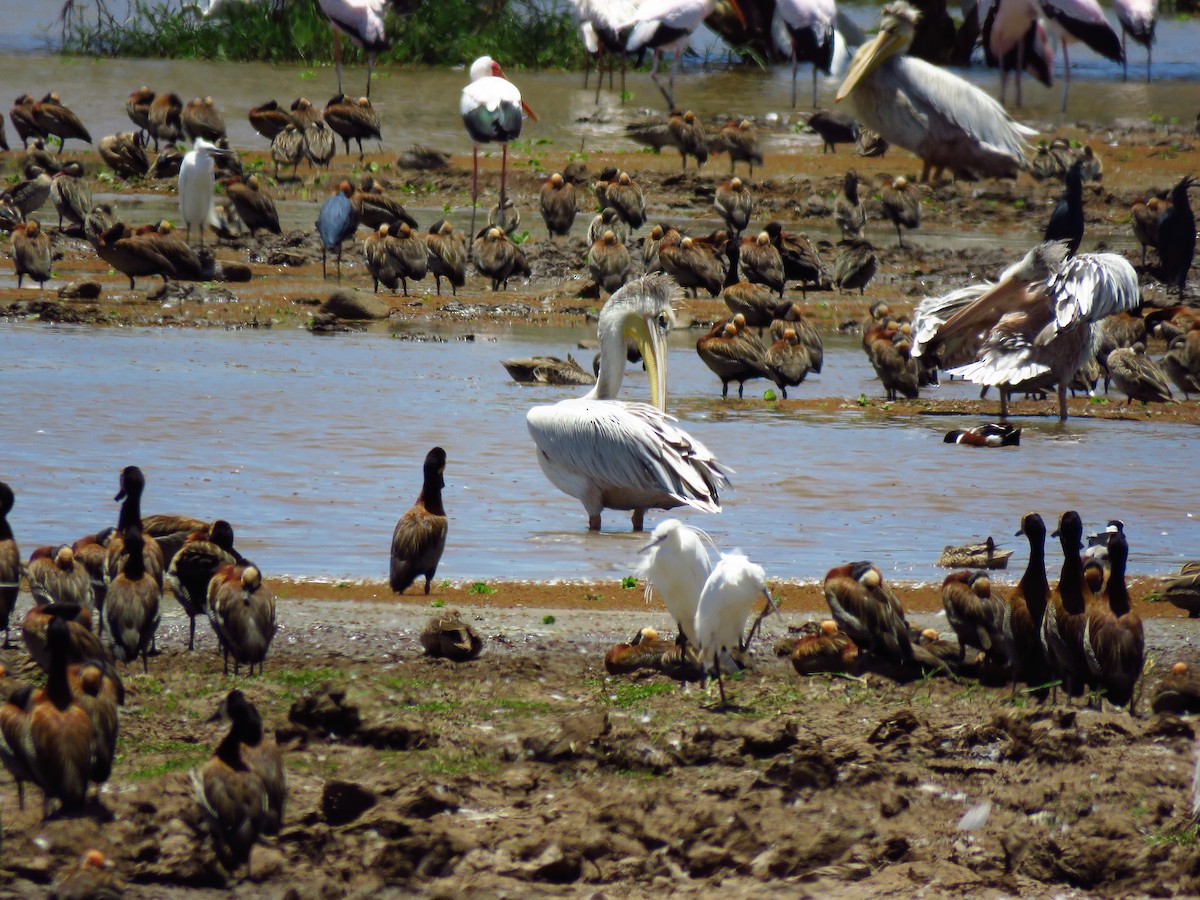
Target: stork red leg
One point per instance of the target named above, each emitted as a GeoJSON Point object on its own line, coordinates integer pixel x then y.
{"type": "Point", "coordinates": [474, 189]}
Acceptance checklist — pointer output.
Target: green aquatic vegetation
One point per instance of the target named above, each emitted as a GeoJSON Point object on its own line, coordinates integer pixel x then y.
{"type": "Point", "coordinates": [524, 33]}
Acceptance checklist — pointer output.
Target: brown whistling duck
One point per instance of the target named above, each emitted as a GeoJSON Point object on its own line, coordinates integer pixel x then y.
{"type": "Point", "coordinates": [735, 204]}
{"type": "Point", "coordinates": [733, 354]}
{"type": "Point", "coordinates": [627, 199]}
{"type": "Point", "coordinates": [1183, 591]}
{"type": "Point", "coordinates": [645, 651]}
{"type": "Point", "coordinates": [84, 643]}
{"type": "Point", "coordinates": [93, 875]}
{"type": "Point", "coordinates": [47, 737]}
{"type": "Point", "coordinates": [242, 613]}
{"type": "Point", "coordinates": [193, 567]}
{"type": "Point", "coordinates": [96, 686]}
{"type": "Point", "coordinates": [557, 203]}
{"type": "Point", "coordinates": [609, 263]}
{"type": "Point", "coordinates": [125, 154]}
{"type": "Point", "coordinates": [848, 212]}
{"type": "Point", "coordinates": [1063, 625]}
{"type": "Point", "coordinates": [901, 204]}
{"type": "Point", "coordinates": [498, 258]}
{"type": "Point", "coordinates": [447, 256]}
{"type": "Point", "coordinates": [791, 315]}
{"type": "Point", "coordinates": [608, 219]}
{"type": "Point", "coordinates": [755, 302]}
{"type": "Point", "coordinates": [71, 195]}
{"type": "Point", "coordinates": [694, 264]}
{"type": "Point", "coordinates": [1137, 376]}
{"type": "Point", "coordinates": [1114, 642]}
{"type": "Point", "coordinates": [975, 614]}
{"type": "Point", "coordinates": [854, 266]}
{"type": "Point", "coordinates": [287, 149]}
{"type": "Point", "coordinates": [137, 107]}
{"type": "Point", "coordinates": [378, 208]}
{"type": "Point", "coordinates": [132, 486]}
{"type": "Point", "coordinates": [55, 119]}
{"type": "Point", "coordinates": [268, 119]}
{"type": "Point", "coordinates": [740, 141]}
{"type": "Point", "coordinates": [31, 253]}
{"type": "Point", "coordinates": [761, 262]}
{"type": "Point", "coordinates": [830, 650]}
{"type": "Point", "coordinates": [202, 119]}
{"type": "Point", "coordinates": [352, 120]}
{"type": "Point", "coordinates": [10, 563]}
{"type": "Point", "coordinates": [1026, 606]}
{"type": "Point", "coordinates": [1182, 363]}
{"type": "Point", "coordinates": [801, 261]}
{"type": "Point", "coordinates": [55, 576]}
{"type": "Point", "coordinates": [132, 608]}
{"type": "Point", "coordinates": [21, 116]}
{"type": "Point", "coordinates": [687, 135]}
{"type": "Point", "coordinates": [233, 796]}
{"type": "Point", "coordinates": [447, 635]}
{"type": "Point", "coordinates": [165, 119]}
{"type": "Point", "coordinates": [254, 205]}
{"type": "Point", "coordinates": [420, 534]}
{"type": "Point", "coordinates": [865, 608]}
{"type": "Point", "coordinates": [788, 360]}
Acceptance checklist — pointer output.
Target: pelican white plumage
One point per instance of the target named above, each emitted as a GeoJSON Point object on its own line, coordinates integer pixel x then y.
{"type": "Point", "coordinates": [725, 604]}
{"type": "Point", "coordinates": [1036, 326]}
{"type": "Point", "coordinates": [676, 564]}
{"type": "Point", "coordinates": [611, 454]}
{"type": "Point", "coordinates": [196, 185]}
{"type": "Point", "coordinates": [943, 119]}
{"type": "Point", "coordinates": [668, 25]}
{"type": "Point", "coordinates": [803, 30]}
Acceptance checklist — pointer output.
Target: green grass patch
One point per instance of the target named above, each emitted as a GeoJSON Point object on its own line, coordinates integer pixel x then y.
{"type": "Point", "coordinates": [1183, 835]}
{"type": "Point", "coordinates": [303, 679]}
{"type": "Point", "coordinates": [513, 704]}
{"type": "Point", "coordinates": [631, 696]}
{"type": "Point", "coordinates": [461, 764]}
{"type": "Point", "coordinates": [481, 587]}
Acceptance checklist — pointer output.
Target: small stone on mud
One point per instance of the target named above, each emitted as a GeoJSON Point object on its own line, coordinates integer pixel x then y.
{"type": "Point", "coordinates": [355, 306]}
{"type": "Point", "coordinates": [325, 710]}
{"type": "Point", "coordinates": [1169, 725]}
{"type": "Point", "coordinates": [80, 290]}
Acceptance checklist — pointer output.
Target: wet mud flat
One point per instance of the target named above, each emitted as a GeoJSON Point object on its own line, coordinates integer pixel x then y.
{"type": "Point", "coordinates": [532, 771]}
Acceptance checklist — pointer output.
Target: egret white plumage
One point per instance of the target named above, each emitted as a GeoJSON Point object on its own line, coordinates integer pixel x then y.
{"type": "Point", "coordinates": [196, 185]}
{"type": "Point", "coordinates": [938, 116]}
{"type": "Point", "coordinates": [725, 604]}
{"type": "Point", "coordinates": [803, 30]}
{"type": "Point", "coordinates": [491, 108]}
{"type": "Point", "coordinates": [668, 25]}
{"type": "Point", "coordinates": [1036, 326]}
{"type": "Point", "coordinates": [676, 564]}
{"type": "Point", "coordinates": [611, 454]}
{"type": "Point", "coordinates": [1138, 19]}
{"type": "Point", "coordinates": [362, 22]}
{"type": "Point", "coordinates": [1081, 20]}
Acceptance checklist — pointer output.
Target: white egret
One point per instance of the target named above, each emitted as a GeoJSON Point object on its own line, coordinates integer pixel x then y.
{"type": "Point", "coordinates": [725, 604]}
{"type": "Point", "coordinates": [611, 454]}
{"type": "Point", "coordinates": [196, 185]}
{"type": "Point", "coordinates": [676, 564]}
{"type": "Point", "coordinates": [940, 117]}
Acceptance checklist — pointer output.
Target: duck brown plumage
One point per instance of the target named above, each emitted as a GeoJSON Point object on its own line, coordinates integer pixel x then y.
{"type": "Point", "coordinates": [287, 149]}
{"type": "Point", "coordinates": [1063, 625]}
{"type": "Point", "coordinates": [788, 360]}
{"type": "Point", "coordinates": [626, 197]}
{"type": "Point", "coordinates": [132, 608]}
{"type": "Point", "coordinates": [901, 204]}
{"type": "Point", "coordinates": [976, 614]}
{"type": "Point", "coordinates": [268, 119]}
{"type": "Point", "coordinates": [1137, 376]}
{"type": "Point", "coordinates": [447, 256]}
{"type": "Point", "coordinates": [1114, 642]}
{"type": "Point", "coordinates": [497, 257]}
{"type": "Point", "coordinates": [791, 315]}
{"type": "Point", "coordinates": [230, 789]}
{"type": "Point", "coordinates": [242, 613]}
{"type": "Point", "coordinates": [254, 205]}
{"type": "Point", "coordinates": [448, 635]}
{"type": "Point", "coordinates": [686, 134]}
{"type": "Point", "coordinates": [420, 535]}
{"type": "Point", "coordinates": [132, 486]}
{"type": "Point", "coordinates": [761, 262]}
{"type": "Point", "coordinates": [848, 212]}
{"type": "Point", "coordinates": [201, 119]}
{"type": "Point", "coordinates": [735, 204]}
{"type": "Point", "coordinates": [137, 107]}
{"type": "Point", "coordinates": [84, 644]}
{"type": "Point", "coordinates": [829, 650]}
{"type": "Point", "coordinates": [132, 255]}
{"type": "Point", "coordinates": [10, 563]}
{"type": "Point", "coordinates": [865, 608]}
{"type": "Point", "coordinates": [609, 263]}
{"type": "Point", "coordinates": [557, 203]}
{"type": "Point", "coordinates": [125, 154]}
{"type": "Point", "coordinates": [733, 353]}
{"type": "Point", "coordinates": [352, 120]}
{"type": "Point", "coordinates": [53, 118]}
{"type": "Point", "coordinates": [55, 576]}
{"type": "Point", "coordinates": [31, 253]}
{"type": "Point", "coordinates": [21, 115]}
{"type": "Point", "coordinates": [166, 119]}
{"type": "Point", "coordinates": [855, 266]}
{"type": "Point", "coordinates": [202, 555]}
{"type": "Point", "coordinates": [740, 141]}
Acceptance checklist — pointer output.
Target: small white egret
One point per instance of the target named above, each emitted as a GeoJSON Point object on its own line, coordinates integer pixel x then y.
{"type": "Point", "coordinates": [196, 185]}
{"type": "Point", "coordinates": [725, 604]}
{"type": "Point", "coordinates": [676, 564]}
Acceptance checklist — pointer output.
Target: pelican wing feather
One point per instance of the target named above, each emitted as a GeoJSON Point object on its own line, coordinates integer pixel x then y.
{"type": "Point", "coordinates": [610, 447]}
{"type": "Point", "coordinates": [1092, 287]}
{"type": "Point", "coordinates": [933, 312]}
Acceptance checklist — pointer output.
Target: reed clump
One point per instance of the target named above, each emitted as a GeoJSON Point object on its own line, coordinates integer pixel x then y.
{"type": "Point", "coordinates": [533, 34]}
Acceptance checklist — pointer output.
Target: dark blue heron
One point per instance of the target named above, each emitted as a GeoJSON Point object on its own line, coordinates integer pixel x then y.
{"type": "Point", "coordinates": [336, 222]}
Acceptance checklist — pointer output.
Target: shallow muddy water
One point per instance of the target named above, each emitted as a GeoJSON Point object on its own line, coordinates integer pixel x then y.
{"type": "Point", "coordinates": [312, 447]}
{"type": "Point", "coordinates": [421, 105]}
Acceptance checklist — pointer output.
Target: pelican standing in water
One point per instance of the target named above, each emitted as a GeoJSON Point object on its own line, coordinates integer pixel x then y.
{"type": "Point", "coordinates": [938, 116]}
{"type": "Point", "coordinates": [612, 454]}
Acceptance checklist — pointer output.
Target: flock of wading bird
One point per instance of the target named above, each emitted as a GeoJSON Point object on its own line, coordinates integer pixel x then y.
{"type": "Point", "coordinates": [983, 332]}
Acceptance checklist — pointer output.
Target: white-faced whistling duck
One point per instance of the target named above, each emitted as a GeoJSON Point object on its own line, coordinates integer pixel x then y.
{"type": "Point", "coordinates": [420, 535]}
